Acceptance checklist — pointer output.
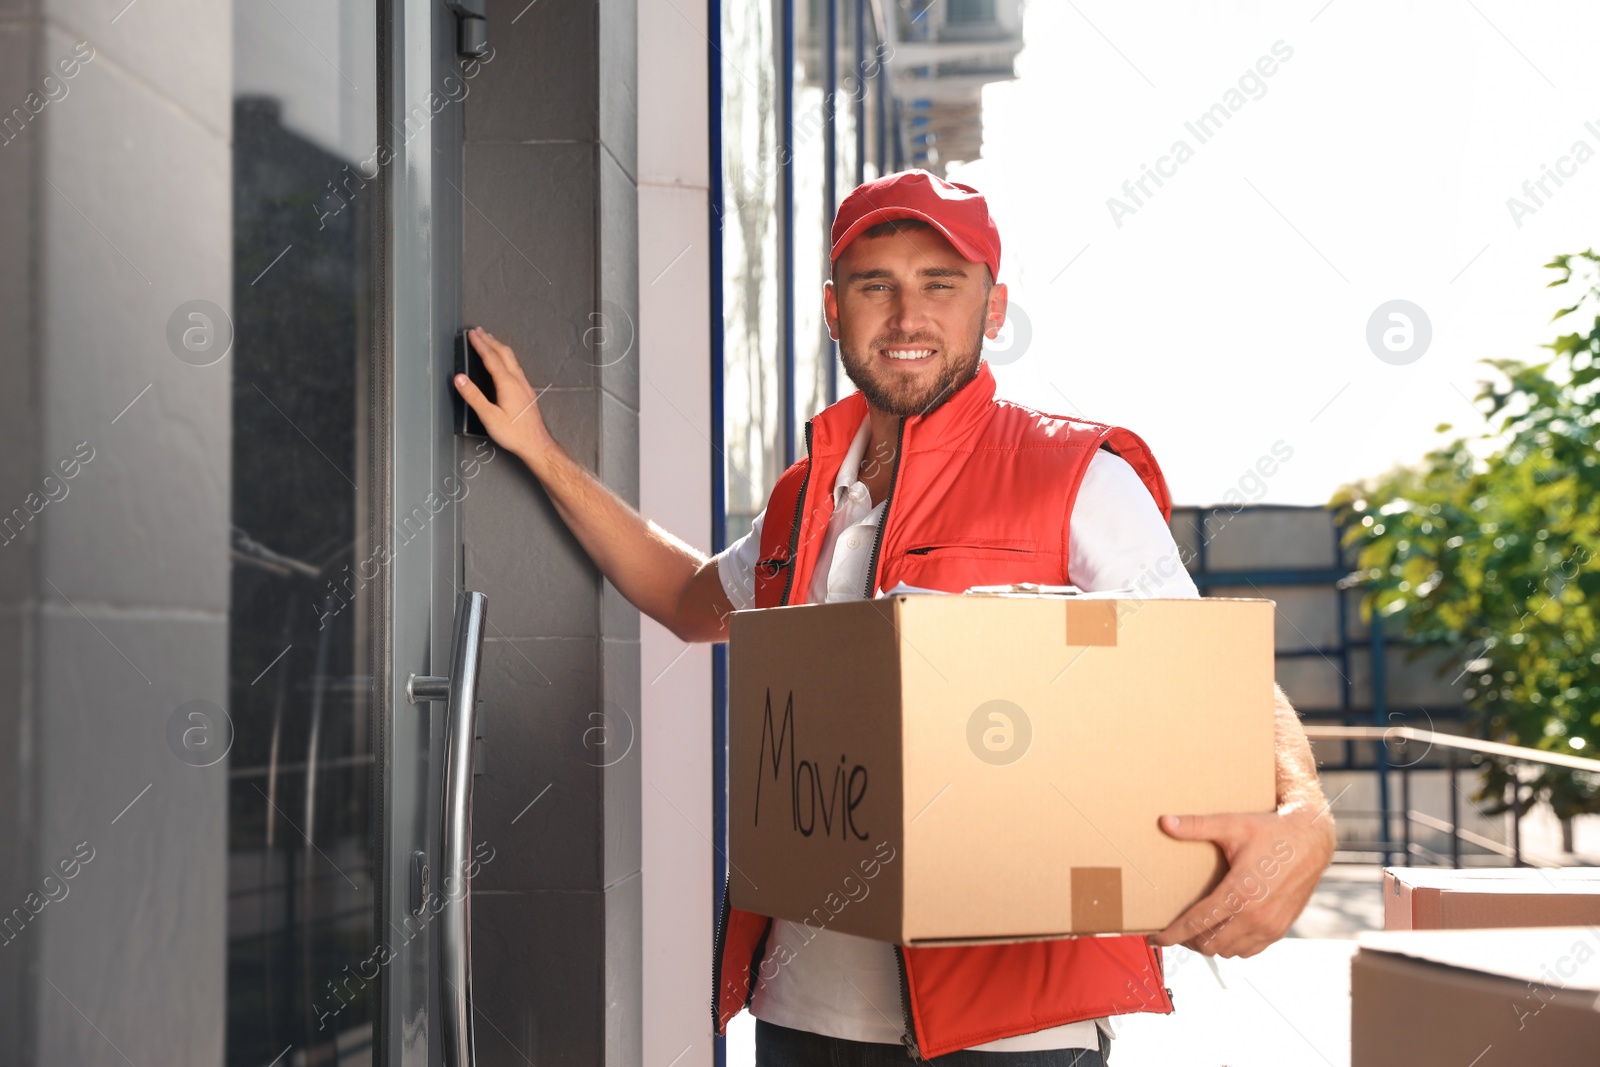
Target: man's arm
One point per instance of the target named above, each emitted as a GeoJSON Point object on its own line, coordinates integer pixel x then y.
{"type": "Point", "coordinates": [658, 573]}
{"type": "Point", "coordinates": [1274, 859]}
{"type": "Point", "coordinates": [1299, 786]}
{"type": "Point", "coordinates": [1120, 539]}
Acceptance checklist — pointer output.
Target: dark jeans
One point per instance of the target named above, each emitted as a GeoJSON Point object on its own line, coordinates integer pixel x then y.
{"type": "Point", "coordinates": [779, 1046]}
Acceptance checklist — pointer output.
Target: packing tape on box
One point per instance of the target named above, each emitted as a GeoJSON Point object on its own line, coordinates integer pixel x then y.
{"type": "Point", "coordinates": [1096, 900]}
{"type": "Point", "coordinates": [1092, 622]}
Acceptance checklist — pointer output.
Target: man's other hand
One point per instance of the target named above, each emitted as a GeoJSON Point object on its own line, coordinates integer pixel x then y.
{"type": "Point", "coordinates": [1274, 863]}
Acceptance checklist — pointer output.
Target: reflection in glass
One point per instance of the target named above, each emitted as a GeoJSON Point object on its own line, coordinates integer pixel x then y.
{"type": "Point", "coordinates": [848, 91]}
{"type": "Point", "coordinates": [752, 352]}
{"type": "Point", "coordinates": [301, 908]}
{"type": "Point", "coordinates": [813, 348]}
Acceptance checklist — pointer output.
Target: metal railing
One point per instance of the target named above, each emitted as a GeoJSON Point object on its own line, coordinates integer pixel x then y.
{"type": "Point", "coordinates": [1453, 745]}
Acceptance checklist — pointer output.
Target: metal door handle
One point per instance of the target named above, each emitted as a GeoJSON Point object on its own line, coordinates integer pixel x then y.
{"type": "Point", "coordinates": [460, 689]}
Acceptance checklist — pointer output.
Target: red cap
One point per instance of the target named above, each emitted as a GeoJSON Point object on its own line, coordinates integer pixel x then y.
{"type": "Point", "coordinates": [958, 211]}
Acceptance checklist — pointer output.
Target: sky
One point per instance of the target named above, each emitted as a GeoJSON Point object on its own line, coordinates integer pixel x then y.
{"type": "Point", "coordinates": [1223, 315]}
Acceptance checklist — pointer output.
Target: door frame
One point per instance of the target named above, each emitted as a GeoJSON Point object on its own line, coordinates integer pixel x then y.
{"type": "Point", "coordinates": [421, 265]}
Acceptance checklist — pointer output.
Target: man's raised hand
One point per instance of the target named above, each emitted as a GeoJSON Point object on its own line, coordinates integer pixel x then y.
{"type": "Point", "coordinates": [512, 418]}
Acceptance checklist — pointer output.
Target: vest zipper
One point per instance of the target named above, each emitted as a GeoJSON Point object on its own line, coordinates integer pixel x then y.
{"type": "Point", "coordinates": [909, 1038]}
{"type": "Point", "coordinates": [794, 526]}
{"type": "Point", "coordinates": [718, 943]}
{"type": "Point", "coordinates": [722, 917]}
{"type": "Point", "coordinates": [888, 502]}
{"type": "Point", "coordinates": [1161, 976]}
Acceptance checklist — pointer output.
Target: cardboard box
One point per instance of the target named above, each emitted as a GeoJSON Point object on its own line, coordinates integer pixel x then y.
{"type": "Point", "coordinates": [1429, 898]}
{"type": "Point", "coordinates": [969, 768]}
{"type": "Point", "coordinates": [1488, 998]}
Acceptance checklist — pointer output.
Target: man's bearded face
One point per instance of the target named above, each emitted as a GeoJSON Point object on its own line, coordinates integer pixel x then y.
{"type": "Point", "coordinates": [910, 315]}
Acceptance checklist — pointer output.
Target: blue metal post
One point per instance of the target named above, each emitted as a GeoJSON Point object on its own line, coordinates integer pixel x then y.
{"type": "Point", "coordinates": [719, 501]}
{"type": "Point", "coordinates": [786, 208]}
{"type": "Point", "coordinates": [881, 107]}
{"type": "Point", "coordinates": [1380, 717]}
{"type": "Point", "coordinates": [861, 91]}
{"type": "Point", "coordinates": [830, 181]}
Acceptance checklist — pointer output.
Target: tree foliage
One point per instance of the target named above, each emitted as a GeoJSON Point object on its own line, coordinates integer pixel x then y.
{"type": "Point", "coordinates": [1495, 554]}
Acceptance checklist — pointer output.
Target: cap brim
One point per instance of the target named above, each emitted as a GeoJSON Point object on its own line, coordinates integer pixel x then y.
{"type": "Point", "coordinates": [889, 214]}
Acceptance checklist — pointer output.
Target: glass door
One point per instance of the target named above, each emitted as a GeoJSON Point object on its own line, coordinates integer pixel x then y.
{"type": "Point", "coordinates": [303, 626]}
{"type": "Point", "coordinates": [343, 316]}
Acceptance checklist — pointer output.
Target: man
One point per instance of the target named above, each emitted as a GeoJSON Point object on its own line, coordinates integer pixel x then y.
{"type": "Point", "coordinates": [922, 476]}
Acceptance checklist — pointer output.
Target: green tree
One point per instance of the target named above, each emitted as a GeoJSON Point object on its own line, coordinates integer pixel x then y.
{"type": "Point", "coordinates": [1497, 556]}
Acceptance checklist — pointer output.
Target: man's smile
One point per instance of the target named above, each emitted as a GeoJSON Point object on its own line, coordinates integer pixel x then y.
{"type": "Point", "coordinates": [906, 354]}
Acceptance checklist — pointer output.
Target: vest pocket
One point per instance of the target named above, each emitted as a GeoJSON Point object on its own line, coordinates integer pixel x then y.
{"type": "Point", "coordinates": [975, 547]}
{"type": "Point", "coordinates": [955, 563]}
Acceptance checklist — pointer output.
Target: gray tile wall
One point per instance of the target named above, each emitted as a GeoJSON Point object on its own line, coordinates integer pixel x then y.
{"type": "Point", "coordinates": [113, 601]}
{"type": "Point", "coordinates": [551, 267]}
{"type": "Point", "coordinates": [20, 31]}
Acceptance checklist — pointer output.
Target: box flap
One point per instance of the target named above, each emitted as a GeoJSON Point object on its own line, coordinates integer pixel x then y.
{"type": "Point", "coordinates": [1568, 956]}
{"type": "Point", "coordinates": [1501, 879]}
{"type": "Point", "coordinates": [1431, 898]}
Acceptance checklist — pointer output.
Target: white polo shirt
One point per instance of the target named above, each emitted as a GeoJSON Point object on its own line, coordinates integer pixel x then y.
{"type": "Point", "coordinates": [846, 986]}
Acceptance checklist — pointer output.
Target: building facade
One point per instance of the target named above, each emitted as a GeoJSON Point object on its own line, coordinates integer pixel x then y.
{"type": "Point", "coordinates": [237, 516]}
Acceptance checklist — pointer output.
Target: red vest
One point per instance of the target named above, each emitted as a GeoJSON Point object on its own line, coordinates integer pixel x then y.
{"type": "Point", "coordinates": [982, 494]}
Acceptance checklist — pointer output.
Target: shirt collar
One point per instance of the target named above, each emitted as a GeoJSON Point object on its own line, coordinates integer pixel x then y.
{"type": "Point", "coordinates": [850, 469]}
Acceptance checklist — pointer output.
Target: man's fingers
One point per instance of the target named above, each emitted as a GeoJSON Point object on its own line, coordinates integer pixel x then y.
{"type": "Point", "coordinates": [1192, 827]}
{"type": "Point", "coordinates": [1203, 919]}
{"type": "Point", "coordinates": [498, 356]}
{"type": "Point", "coordinates": [1249, 947]}
{"type": "Point", "coordinates": [1230, 921]}
{"type": "Point", "coordinates": [515, 364]}
{"type": "Point", "coordinates": [1213, 939]}
{"type": "Point", "coordinates": [1260, 896]}
{"type": "Point", "coordinates": [1230, 831]}
{"type": "Point", "coordinates": [489, 351]}
{"type": "Point", "coordinates": [1234, 939]}
{"type": "Point", "coordinates": [475, 398]}
{"type": "Point", "coordinates": [513, 394]}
